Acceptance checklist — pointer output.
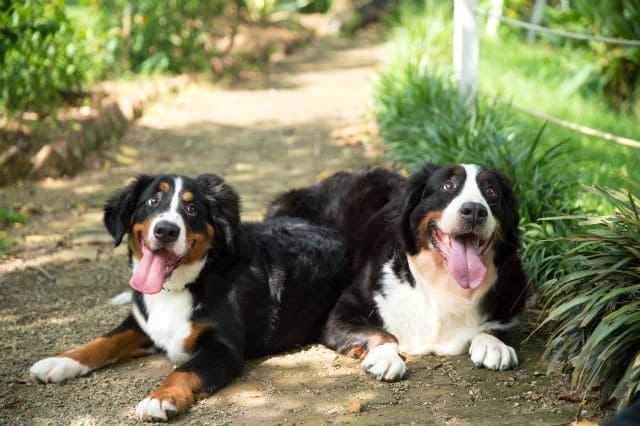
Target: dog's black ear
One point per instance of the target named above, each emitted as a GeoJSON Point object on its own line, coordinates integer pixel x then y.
{"type": "Point", "coordinates": [416, 189]}
{"type": "Point", "coordinates": [119, 209]}
{"type": "Point", "coordinates": [510, 212]}
{"type": "Point", "coordinates": [224, 206]}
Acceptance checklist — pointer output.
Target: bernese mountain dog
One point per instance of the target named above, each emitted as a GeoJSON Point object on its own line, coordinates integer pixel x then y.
{"type": "Point", "coordinates": [209, 291]}
{"type": "Point", "coordinates": [435, 258]}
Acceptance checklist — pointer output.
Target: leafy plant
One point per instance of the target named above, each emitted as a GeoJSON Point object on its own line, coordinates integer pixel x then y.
{"type": "Point", "coordinates": [8, 216]}
{"type": "Point", "coordinates": [596, 307]}
{"type": "Point", "coordinates": [42, 54]}
{"type": "Point", "coordinates": [172, 36]}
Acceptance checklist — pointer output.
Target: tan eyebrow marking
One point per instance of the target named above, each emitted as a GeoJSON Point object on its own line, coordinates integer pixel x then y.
{"type": "Point", "coordinates": [187, 196]}
{"type": "Point", "coordinates": [164, 186]}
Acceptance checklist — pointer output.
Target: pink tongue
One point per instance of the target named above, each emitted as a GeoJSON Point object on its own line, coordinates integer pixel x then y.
{"type": "Point", "coordinates": [149, 274]}
{"type": "Point", "coordinates": [465, 264]}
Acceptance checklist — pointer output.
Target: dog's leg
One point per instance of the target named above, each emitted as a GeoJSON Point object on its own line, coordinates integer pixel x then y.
{"type": "Point", "coordinates": [217, 362]}
{"type": "Point", "coordinates": [124, 342]}
{"type": "Point", "coordinates": [353, 334]}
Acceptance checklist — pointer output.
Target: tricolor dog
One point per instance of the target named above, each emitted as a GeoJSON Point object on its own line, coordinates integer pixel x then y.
{"type": "Point", "coordinates": [435, 259]}
{"type": "Point", "coordinates": [209, 291]}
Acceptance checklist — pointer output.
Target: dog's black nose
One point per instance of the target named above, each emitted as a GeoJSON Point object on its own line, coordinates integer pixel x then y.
{"type": "Point", "coordinates": [475, 213]}
{"type": "Point", "coordinates": [166, 232]}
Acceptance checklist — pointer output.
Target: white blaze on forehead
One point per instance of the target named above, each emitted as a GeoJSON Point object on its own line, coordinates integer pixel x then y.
{"type": "Point", "coordinates": [172, 215]}
{"type": "Point", "coordinates": [470, 193]}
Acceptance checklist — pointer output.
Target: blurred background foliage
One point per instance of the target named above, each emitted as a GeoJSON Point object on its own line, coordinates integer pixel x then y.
{"type": "Point", "coordinates": [614, 70]}
{"type": "Point", "coordinates": [51, 51]}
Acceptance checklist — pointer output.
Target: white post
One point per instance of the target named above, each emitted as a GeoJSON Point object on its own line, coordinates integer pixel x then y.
{"type": "Point", "coordinates": [466, 44]}
{"type": "Point", "coordinates": [493, 20]}
{"type": "Point", "coordinates": [536, 19]}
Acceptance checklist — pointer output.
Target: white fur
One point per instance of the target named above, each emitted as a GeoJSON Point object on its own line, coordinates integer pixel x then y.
{"type": "Point", "coordinates": [431, 317]}
{"type": "Point", "coordinates": [470, 193]}
{"type": "Point", "coordinates": [151, 409]}
{"type": "Point", "coordinates": [123, 298]}
{"type": "Point", "coordinates": [490, 352]}
{"type": "Point", "coordinates": [384, 363]}
{"type": "Point", "coordinates": [57, 369]}
{"type": "Point", "coordinates": [172, 215]}
{"type": "Point", "coordinates": [184, 275]}
{"type": "Point", "coordinates": [167, 322]}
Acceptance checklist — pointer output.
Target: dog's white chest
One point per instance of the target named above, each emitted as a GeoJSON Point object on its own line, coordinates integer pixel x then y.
{"type": "Point", "coordinates": [426, 321]}
{"type": "Point", "coordinates": [168, 321]}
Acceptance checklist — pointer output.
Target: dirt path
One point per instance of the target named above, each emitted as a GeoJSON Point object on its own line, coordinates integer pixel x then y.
{"type": "Point", "coordinates": [263, 136]}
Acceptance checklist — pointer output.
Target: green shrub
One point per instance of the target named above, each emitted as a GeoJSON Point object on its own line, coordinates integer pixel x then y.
{"type": "Point", "coordinates": [596, 307]}
{"type": "Point", "coordinates": [171, 36]}
{"type": "Point", "coordinates": [42, 54]}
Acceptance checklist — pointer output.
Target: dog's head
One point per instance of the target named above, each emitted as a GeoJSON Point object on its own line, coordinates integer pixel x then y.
{"type": "Point", "coordinates": [173, 223]}
{"type": "Point", "coordinates": [464, 214]}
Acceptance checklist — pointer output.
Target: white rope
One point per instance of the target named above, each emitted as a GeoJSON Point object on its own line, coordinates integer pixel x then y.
{"type": "Point", "coordinates": [580, 128]}
{"type": "Point", "coordinates": [567, 34]}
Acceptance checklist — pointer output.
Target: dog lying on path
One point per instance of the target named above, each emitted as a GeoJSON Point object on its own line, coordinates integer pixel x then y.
{"type": "Point", "coordinates": [209, 291]}
{"type": "Point", "coordinates": [435, 258]}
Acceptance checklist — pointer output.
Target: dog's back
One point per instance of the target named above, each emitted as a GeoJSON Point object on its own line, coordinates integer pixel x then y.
{"type": "Point", "coordinates": [346, 202]}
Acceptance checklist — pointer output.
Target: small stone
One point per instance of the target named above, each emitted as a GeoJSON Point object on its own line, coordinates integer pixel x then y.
{"type": "Point", "coordinates": [355, 406]}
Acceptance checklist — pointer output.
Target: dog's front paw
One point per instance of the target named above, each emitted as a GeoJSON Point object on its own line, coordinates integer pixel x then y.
{"type": "Point", "coordinates": [57, 369]}
{"type": "Point", "coordinates": [384, 363]}
{"type": "Point", "coordinates": [490, 352]}
{"type": "Point", "coordinates": [155, 410]}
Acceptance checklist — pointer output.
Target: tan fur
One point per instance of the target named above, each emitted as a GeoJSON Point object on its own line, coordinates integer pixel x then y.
{"type": "Point", "coordinates": [200, 243]}
{"type": "Point", "coordinates": [180, 388]}
{"type": "Point", "coordinates": [139, 230]}
{"type": "Point", "coordinates": [187, 196]}
{"type": "Point", "coordinates": [164, 186]}
{"type": "Point", "coordinates": [423, 229]}
{"type": "Point", "coordinates": [376, 339]}
{"type": "Point", "coordinates": [109, 349]}
{"type": "Point", "coordinates": [197, 329]}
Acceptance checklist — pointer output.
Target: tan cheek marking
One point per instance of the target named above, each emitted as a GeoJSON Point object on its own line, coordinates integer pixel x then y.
{"type": "Point", "coordinates": [429, 263]}
{"type": "Point", "coordinates": [423, 228]}
{"type": "Point", "coordinates": [187, 196]}
{"type": "Point", "coordinates": [189, 342]}
{"type": "Point", "coordinates": [180, 388]}
{"type": "Point", "coordinates": [108, 349]}
{"type": "Point", "coordinates": [200, 244]}
{"type": "Point", "coordinates": [139, 231]}
{"type": "Point", "coordinates": [164, 186]}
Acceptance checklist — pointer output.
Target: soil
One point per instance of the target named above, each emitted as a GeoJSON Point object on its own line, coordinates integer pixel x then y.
{"type": "Point", "coordinates": [263, 135]}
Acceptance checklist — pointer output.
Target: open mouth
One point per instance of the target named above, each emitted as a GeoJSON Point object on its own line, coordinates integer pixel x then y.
{"type": "Point", "coordinates": [154, 269]}
{"type": "Point", "coordinates": [462, 254]}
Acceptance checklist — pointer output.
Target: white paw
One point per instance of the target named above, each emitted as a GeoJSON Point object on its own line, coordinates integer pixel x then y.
{"type": "Point", "coordinates": [383, 363]}
{"type": "Point", "coordinates": [57, 369]}
{"type": "Point", "coordinates": [490, 352]}
{"type": "Point", "coordinates": [153, 410]}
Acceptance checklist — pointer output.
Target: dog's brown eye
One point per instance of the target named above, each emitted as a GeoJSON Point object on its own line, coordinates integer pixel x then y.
{"type": "Point", "coordinates": [191, 209]}
{"type": "Point", "coordinates": [154, 200]}
{"type": "Point", "coordinates": [449, 186]}
{"type": "Point", "coordinates": [490, 192]}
